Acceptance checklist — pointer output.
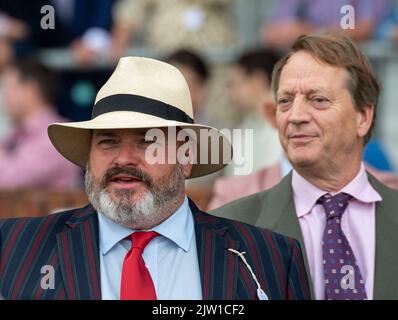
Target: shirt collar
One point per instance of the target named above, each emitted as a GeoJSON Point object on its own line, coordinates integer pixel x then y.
{"type": "Point", "coordinates": [306, 194]}
{"type": "Point", "coordinates": [179, 228]}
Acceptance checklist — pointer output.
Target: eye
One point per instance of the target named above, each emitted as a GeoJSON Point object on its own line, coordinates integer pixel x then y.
{"type": "Point", "coordinates": [283, 103]}
{"type": "Point", "coordinates": [319, 99]}
{"type": "Point", "coordinates": [320, 102]}
{"type": "Point", "coordinates": [144, 141]}
{"type": "Point", "coordinates": [107, 143]}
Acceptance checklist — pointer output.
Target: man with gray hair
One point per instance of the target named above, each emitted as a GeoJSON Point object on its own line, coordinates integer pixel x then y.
{"type": "Point", "coordinates": [326, 95]}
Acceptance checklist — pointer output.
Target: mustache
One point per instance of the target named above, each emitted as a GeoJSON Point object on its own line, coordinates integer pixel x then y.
{"type": "Point", "coordinates": [106, 179]}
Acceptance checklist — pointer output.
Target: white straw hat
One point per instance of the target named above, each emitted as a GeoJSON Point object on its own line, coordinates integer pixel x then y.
{"type": "Point", "coordinates": [141, 93]}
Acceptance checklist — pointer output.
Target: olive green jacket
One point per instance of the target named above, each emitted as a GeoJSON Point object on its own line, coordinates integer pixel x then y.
{"type": "Point", "coordinates": [274, 209]}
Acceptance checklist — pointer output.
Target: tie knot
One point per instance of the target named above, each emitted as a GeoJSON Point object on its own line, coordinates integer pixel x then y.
{"type": "Point", "coordinates": [140, 239]}
{"type": "Point", "coordinates": [334, 205]}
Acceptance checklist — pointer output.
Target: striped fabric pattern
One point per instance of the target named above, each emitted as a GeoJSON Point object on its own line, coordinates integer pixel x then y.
{"type": "Point", "coordinates": [68, 242]}
{"type": "Point", "coordinates": [276, 260]}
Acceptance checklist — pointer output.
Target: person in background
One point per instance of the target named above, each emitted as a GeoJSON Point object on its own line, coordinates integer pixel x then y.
{"type": "Point", "coordinates": [292, 18]}
{"type": "Point", "coordinates": [27, 159]}
{"type": "Point", "coordinates": [20, 27]}
{"type": "Point", "coordinates": [250, 92]}
{"type": "Point", "coordinates": [82, 26]}
{"type": "Point", "coordinates": [169, 25]}
{"type": "Point", "coordinates": [196, 71]}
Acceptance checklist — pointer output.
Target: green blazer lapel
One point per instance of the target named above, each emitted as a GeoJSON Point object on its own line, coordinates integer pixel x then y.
{"type": "Point", "coordinates": [218, 266]}
{"type": "Point", "coordinates": [386, 258]}
{"type": "Point", "coordinates": [280, 216]}
{"type": "Point", "coordinates": [79, 255]}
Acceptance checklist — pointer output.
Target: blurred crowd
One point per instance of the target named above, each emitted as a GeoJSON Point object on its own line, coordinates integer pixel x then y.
{"type": "Point", "coordinates": [236, 94]}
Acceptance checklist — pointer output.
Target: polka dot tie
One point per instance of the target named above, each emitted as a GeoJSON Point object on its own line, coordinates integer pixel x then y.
{"type": "Point", "coordinates": [343, 280]}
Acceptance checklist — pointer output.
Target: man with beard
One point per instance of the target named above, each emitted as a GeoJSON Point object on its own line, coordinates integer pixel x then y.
{"type": "Point", "coordinates": [141, 237]}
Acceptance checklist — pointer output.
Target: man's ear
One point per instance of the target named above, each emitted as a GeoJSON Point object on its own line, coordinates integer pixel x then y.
{"type": "Point", "coordinates": [270, 112]}
{"type": "Point", "coordinates": [187, 167]}
{"type": "Point", "coordinates": [188, 159]}
{"type": "Point", "coordinates": [364, 120]}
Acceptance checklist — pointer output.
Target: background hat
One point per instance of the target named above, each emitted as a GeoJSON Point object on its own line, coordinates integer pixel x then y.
{"type": "Point", "coordinates": [141, 93]}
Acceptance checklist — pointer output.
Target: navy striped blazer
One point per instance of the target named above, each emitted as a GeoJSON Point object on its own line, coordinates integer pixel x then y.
{"type": "Point", "coordinates": [68, 242]}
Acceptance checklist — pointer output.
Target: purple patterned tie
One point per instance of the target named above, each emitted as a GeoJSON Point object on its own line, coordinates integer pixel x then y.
{"type": "Point", "coordinates": [343, 280]}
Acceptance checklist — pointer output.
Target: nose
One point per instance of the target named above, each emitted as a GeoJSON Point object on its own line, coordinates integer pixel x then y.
{"type": "Point", "coordinates": [127, 155]}
{"type": "Point", "coordinates": [300, 111]}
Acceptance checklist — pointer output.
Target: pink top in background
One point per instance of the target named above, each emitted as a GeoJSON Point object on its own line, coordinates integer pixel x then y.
{"type": "Point", "coordinates": [29, 160]}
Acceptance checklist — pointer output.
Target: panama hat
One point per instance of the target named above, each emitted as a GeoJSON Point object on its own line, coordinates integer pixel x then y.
{"type": "Point", "coordinates": [142, 93]}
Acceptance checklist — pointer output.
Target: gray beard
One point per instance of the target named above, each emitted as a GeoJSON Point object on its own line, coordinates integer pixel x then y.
{"type": "Point", "coordinates": [147, 211]}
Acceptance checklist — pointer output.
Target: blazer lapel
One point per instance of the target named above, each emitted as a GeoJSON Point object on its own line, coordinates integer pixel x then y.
{"type": "Point", "coordinates": [218, 266]}
{"type": "Point", "coordinates": [386, 259]}
{"type": "Point", "coordinates": [79, 255]}
{"type": "Point", "coordinates": [280, 216]}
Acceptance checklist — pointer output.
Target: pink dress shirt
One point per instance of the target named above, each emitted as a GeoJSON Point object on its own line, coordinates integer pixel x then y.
{"type": "Point", "coordinates": [358, 224]}
{"type": "Point", "coordinates": [29, 160]}
{"type": "Point", "coordinates": [227, 189]}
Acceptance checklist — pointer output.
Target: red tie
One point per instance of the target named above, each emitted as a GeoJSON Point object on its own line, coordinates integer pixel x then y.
{"type": "Point", "coordinates": [136, 281]}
